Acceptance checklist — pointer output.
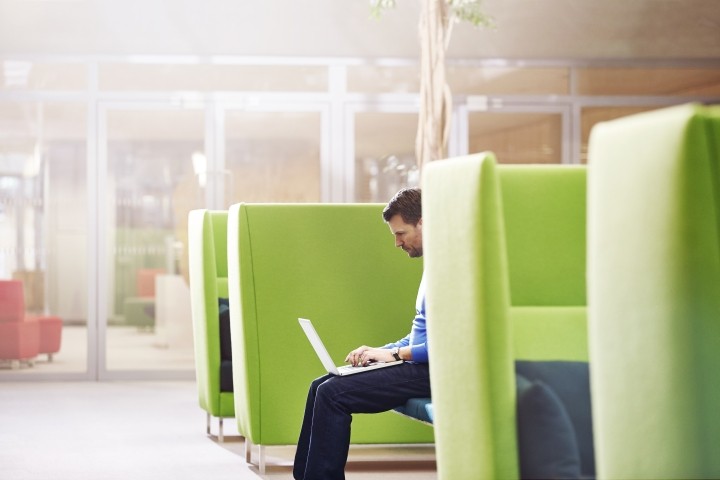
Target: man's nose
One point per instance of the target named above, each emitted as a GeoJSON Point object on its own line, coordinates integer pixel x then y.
{"type": "Point", "coordinates": [398, 242]}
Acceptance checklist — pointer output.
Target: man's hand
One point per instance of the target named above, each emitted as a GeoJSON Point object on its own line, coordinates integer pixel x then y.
{"type": "Point", "coordinates": [361, 356]}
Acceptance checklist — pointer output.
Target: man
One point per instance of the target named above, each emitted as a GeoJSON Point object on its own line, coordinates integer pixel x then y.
{"type": "Point", "coordinates": [325, 434]}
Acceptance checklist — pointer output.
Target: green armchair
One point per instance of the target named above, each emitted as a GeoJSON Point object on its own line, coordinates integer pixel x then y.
{"type": "Point", "coordinates": [654, 293]}
{"type": "Point", "coordinates": [207, 245]}
{"type": "Point", "coordinates": [333, 264]}
{"type": "Point", "coordinates": [505, 271]}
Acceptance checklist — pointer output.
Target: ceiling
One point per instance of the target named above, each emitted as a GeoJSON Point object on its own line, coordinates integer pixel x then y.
{"type": "Point", "coordinates": [524, 29]}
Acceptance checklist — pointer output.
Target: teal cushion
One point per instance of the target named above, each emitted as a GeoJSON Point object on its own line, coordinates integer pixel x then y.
{"type": "Point", "coordinates": [417, 408]}
{"type": "Point", "coordinates": [430, 411]}
{"type": "Point", "coordinates": [547, 446]}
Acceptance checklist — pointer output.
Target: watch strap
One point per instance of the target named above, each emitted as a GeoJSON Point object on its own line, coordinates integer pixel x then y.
{"type": "Point", "coordinates": [396, 353]}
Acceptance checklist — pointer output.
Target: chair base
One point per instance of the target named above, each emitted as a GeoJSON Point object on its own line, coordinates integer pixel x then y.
{"type": "Point", "coordinates": [208, 429]}
{"type": "Point", "coordinates": [260, 456]}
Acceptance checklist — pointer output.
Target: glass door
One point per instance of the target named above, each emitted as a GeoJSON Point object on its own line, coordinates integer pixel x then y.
{"type": "Point", "coordinates": [152, 173]}
{"type": "Point", "coordinates": [43, 239]}
{"type": "Point", "coordinates": [274, 154]}
{"type": "Point", "coordinates": [381, 149]}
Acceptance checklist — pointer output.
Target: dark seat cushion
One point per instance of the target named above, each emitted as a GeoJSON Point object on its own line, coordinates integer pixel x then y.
{"type": "Point", "coordinates": [570, 382]}
{"type": "Point", "coordinates": [226, 377]}
{"type": "Point", "coordinates": [547, 447]}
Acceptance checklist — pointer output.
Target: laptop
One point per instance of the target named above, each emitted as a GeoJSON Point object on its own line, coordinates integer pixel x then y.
{"type": "Point", "coordinates": [326, 360]}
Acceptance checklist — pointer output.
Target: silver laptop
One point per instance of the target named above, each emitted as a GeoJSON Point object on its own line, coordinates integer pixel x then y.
{"type": "Point", "coordinates": [326, 360]}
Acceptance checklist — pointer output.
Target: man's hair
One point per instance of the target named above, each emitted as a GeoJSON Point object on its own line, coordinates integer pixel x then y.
{"type": "Point", "coordinates": [407, 203]}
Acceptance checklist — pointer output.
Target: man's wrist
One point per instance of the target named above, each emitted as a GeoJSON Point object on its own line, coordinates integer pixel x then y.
{"type": "Point", "coordinates": [396, 353]}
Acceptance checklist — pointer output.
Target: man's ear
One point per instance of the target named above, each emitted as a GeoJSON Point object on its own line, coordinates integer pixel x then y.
{"type": "Point", "coordinates": [419, 224]}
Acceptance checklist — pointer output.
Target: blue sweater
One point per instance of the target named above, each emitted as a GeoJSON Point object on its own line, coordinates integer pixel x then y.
{"type": "Point", "coordinates": [417, 338]}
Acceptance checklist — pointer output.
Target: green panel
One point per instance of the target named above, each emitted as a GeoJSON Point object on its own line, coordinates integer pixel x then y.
{"type": "Point", "coordinates": [218, 224]}
{"type": "Point", "coordinates": [334, 264]}
{"type": "Point", "coordinates": [468, 329]}
{"type": "Point", "coordinates": [654, 296]}
{"type": "Point", "coordinates": [207, 242]}
{"type": "Point", "coordinates": [550, 333]}
{"type": "Point", "coordinates": [505, 266]}
{"type": "Point", "coordinates": [544, 213]}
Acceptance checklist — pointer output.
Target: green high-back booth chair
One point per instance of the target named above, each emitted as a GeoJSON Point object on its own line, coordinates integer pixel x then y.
{"type": "Point", "coordinates": [207, 248]}
{"type": "Point", "coordinates": [336, 265]}
{"type": "Point", "coordinates": [505, 270]}
{"type": "Point", "coordinates": [654, 293]}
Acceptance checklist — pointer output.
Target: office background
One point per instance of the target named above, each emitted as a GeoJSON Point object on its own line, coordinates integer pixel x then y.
{"type": "Point", "coordinates": [118, 118]}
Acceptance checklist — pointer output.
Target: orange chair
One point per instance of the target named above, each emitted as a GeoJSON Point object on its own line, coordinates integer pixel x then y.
{"type": "Point", "coordinates": [19, 334]}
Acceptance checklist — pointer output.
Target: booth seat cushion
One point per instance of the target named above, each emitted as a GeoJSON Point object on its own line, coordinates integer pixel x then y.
{"type": "Point", "coordinates": [417, 408]}
{"type": "Point", "coordinates": [569, 383]}
{"type": "Point", "coordinates": [226, 375]}
{"type": "Point", "coordinates": [547, 446]}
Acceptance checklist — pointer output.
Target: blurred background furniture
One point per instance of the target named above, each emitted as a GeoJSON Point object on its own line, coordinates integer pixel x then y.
{"type": "Point", "coordinates": [505, 266]}
{"type": "Point", "coordinates": [654, 293]}
{"type": "Point", "coordinates": [19, 335]}
{"type": "Point", "coordinates": [49, 334]}
{"type": "Point", "coordinates": [49, 326]}
{"type": "Point", "coordinates": [207, 245]}
{"type": "Point", "coordinates": [139, 310]}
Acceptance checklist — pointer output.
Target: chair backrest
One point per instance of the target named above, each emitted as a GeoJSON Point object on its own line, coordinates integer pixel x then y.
{"type": "Point", "coordinates": [333, 264]}
{"type": "Point", "coordinates": [218, 226]}
{"type": "Point", "coordinates": [654, 293]}
{"type": "Point", "coordinates": [145, 281]}
{"type": "Point", "coordinates": [12, 301]}
{"type": "Point", "coordinates": [505, 268]}
{"type": "Point", "coordinates": [544, 225]}
{"type": "Point", "coordinates": [544, 222]}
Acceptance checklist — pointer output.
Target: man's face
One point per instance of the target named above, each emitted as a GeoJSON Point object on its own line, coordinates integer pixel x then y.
{"type": "Point", "coordinates": [408, 237]}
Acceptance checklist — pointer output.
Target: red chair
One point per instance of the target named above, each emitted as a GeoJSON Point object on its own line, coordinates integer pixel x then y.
{"type": "Point", "coordinates": [19, 334]}
{"type": "Point", "coordinates": [145, 281]}
{"type": "Point", "coordinates": [49, 334]}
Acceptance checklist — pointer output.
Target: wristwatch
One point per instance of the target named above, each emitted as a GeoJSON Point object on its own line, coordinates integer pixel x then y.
{"type": "Point", "coordinates": [396, 353]}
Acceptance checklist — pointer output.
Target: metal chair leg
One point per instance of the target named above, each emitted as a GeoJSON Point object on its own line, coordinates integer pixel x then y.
{"type": "Point", "coordinates": [248, 451]}
{"type": "Point", "coordinates": [261, 459]}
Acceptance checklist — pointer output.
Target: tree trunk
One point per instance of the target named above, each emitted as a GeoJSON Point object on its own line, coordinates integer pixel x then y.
{"type": "Point", "coordinates": [435, 97]}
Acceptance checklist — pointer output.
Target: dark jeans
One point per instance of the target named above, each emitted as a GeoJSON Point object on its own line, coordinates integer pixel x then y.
{"type": "Point", "coordinates": [325, 434]}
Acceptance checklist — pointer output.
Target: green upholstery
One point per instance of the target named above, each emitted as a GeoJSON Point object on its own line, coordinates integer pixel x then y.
{"type": "Point", "coordinates": [333, 264]}
{"type": "Point", "coordinates": [505, 271]}
{"type": "Point", "coordinates": [207, 245]}
{"type": "Point", "coordinates": [654, 293]}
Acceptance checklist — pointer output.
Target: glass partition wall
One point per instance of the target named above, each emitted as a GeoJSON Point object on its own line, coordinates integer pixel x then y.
{"type": "Point", "coordinates": [44, 234]}
{"type": "Point", "coordinates": [148, 188]}
{"type": "Point", "coordinates": [102, 159]}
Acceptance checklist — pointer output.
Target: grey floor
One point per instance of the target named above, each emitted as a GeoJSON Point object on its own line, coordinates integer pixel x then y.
{"type": "Point", "coordinates": [149, 430]}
